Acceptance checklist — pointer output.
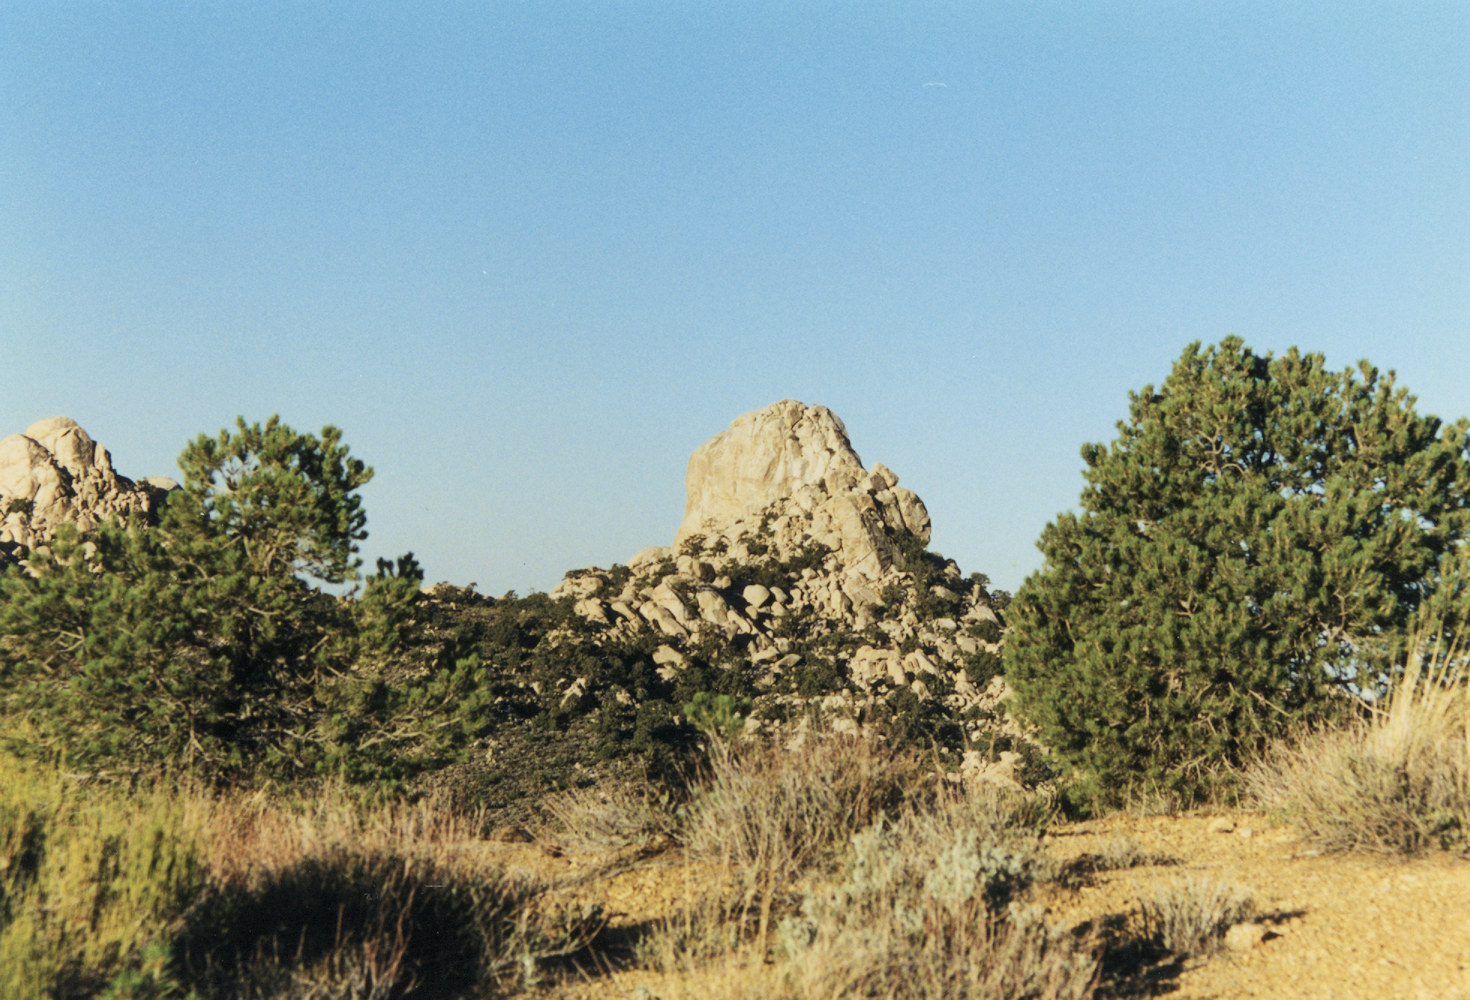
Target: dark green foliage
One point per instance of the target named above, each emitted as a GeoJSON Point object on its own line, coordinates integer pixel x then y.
{"type": "Point", "coordinates": [206, 643]}
{"type": "Point", "coordinates": [719, 715]}
{"type": "Point", "coordinates": [981, 667]}
{"type": "Point", "coordinates": [772, 572]}
{"type": "Point", "coordinates": [1257, 539]}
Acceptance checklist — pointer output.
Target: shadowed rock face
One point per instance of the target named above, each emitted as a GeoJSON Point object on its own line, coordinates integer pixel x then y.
{"type": "Point", "coordinates": [55, 473]}
{"type": "Point", "coordinates": [788, 472]}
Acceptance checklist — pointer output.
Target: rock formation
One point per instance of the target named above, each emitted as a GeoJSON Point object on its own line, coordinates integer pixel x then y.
{"type": "Point", "coordinates": [56, 473]}
{"type": "Point", "coordinates": [789, 473]}
{"type": "Point", "coordinates": [810, 573]}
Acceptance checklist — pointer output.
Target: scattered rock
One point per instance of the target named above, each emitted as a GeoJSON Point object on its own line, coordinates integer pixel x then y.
{"type": "Point", "coordinates": [1244, 937]}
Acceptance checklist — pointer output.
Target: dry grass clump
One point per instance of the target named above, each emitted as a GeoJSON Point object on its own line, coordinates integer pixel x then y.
{"type": "Point", "coordinates": [855, 871]}
{"type": "Point", "coordinates": [1397, 781]}
{"type": "Point", "coordinates": [1190, 918]}
{"type": "Point", "coordinates": [615, 816]}
{"type": "Point", "coordinates": [164, 893]}
{"type": "Point", "coordinates": [333, 898]}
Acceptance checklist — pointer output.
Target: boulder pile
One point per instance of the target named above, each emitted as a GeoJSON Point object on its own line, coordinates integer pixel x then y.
{"type": "Point", "coordinates": [55, 473]}
{"type": "Point", "coordinates": [797, 564]}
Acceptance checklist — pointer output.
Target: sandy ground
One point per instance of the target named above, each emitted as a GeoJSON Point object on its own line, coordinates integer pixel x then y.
{"type": "Point", "coordinates": [1336, 927]}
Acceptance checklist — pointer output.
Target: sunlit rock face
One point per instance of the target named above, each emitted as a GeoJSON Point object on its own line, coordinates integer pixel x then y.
{"type": "Point", "coordinates": [808, 574]}
{"type": "Point", "coordinates": [55, 473]}
{"type": "Point", "coordinates": [788, 475]}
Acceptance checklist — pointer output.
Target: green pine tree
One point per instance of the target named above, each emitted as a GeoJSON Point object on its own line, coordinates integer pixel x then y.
{"type": "Point", "coordinates": [1256, 541]}
{"type": "Point", "coordinates": [211, 643]}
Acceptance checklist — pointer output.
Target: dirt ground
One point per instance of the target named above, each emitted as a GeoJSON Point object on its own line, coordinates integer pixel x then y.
{"type": "Point", "coordinates": [1337, 927]}
{"type": "Point", "coordinates": [1333, 927]}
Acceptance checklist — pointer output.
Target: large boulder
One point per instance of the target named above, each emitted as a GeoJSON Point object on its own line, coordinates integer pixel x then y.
{"type": "Point", "coordinates": [787, 476]}
{"type": "Point", "coordinates": [55, 473]}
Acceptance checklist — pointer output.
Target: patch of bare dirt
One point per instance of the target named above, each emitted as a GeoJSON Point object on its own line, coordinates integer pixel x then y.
{"type": "Point", "coordinates": [1333, 927]}
{"type": "Point", "coordinates": [1337, 927]}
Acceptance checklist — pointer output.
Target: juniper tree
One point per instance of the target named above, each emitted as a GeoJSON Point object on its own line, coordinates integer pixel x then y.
{"type": "Point", "coordinates": [1257, 538]}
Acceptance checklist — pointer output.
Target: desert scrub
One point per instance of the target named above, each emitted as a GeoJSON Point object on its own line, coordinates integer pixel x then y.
{"type": "Point", "coordinates": [1190, 918]}
{"type": "Point", "coordinates": [380, 925]}
{"type": "Point", "coordinates": [92, 884]}
{"type": "Point", "coordinates": [1397, 781]}
{"type": "Point", "coordinates": [928, 906]}
{"type": "Point", "coordinates": [329, 897]}
{"type": "Point", "coordinates": [856, 871]}
{"type": "Point", "coordinates": [614, 815]}
{"type": "Point", "coordinates": [773, 815]}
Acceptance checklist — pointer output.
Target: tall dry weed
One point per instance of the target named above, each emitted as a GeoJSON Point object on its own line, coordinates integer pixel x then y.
{"type": "Point", "coordinates": [772, 814]}
{"type": "Point", "coordinates": [1397, 781]}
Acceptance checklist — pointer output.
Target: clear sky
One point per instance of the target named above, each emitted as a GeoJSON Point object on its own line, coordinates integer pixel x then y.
{"type": "Point", "coordinates": [530, 255]}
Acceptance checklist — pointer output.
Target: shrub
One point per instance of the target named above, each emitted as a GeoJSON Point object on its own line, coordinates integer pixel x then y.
{"type": "Point", "coordinates": [924, 908]}
{"type": "Point", "coordinates": [350, 922]}
{"type": "Point", "coordinates": [873, 878]}
{"type": "Point", "coordinates": [1396, 782]}
{"type": "Point", "coordinates": [1258, 537]}
{"type": "Point", "coordinates": [92, 885]}
{"type": "Point", "coordinates": [617, 814]}
{"type": "Point", "coordinates": [772, 814]}
{"type": "Point", "coordinates": [1190, 918]}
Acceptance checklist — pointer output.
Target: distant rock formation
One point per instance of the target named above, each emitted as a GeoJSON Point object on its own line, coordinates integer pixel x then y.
{"type": "Point", "coordinates": [789, 473]}
{"type": "Point", "coordinates": [55, 473]}
{"type": "Point", "coordinates": [796, 565]}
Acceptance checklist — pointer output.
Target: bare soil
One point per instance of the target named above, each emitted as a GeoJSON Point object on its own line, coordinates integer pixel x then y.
{"type": "Point", "coordinates": [1336, 927]}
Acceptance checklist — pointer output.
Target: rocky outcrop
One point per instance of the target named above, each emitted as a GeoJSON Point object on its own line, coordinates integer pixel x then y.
{"type": "Point", "coordinates": [809, 574]}
{"type": "Point", "coordinates": [788, 475]}
{"type": "Point", "coordinates": [55, 473]}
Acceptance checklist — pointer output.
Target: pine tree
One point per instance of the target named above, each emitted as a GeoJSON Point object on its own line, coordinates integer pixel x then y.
{"type": "Point", "coordinates": [1256, 540]}
{"type": "Point", "coordinates": [210, 642]}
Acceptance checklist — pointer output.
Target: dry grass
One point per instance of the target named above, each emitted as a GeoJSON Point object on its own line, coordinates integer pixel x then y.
{"type": "Point", "coordinates": [614, 817]}
{"type": "Point", "coordinates": [332, 898]}
{"type": "Point", "coordinates": [854, 871]}
{"type": "Point", "coordinates": [1396, 782]}
{"type": "Point", "coordinates": [151, 895]}
{"type": "Point", "coordinates": [1190, 918]}
{"type": "Point", "coordinates": [772, 814]}
{"type": "Point", "coordinates": [91, 881]}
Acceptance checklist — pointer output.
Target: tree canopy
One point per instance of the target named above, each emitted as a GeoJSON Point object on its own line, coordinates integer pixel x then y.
{"type": "Point", "coordinates": [1258, 537]}
{"type": "Point", "coordinates": [208, 643]}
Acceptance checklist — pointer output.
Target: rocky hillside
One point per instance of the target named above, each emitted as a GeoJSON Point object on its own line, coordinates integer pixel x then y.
{"type": "Point", "coordinates": [798, 587]}
{"type": "Point", "coordinates": [55, 473]}
{"type": "Point", "coordinates": [797, 564]}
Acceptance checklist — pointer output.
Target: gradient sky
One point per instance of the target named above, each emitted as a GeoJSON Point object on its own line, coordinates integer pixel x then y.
{"type": "Point", "coordinates": [530, 255]}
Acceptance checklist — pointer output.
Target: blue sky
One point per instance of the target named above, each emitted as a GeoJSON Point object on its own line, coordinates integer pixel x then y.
{"type": "Point", "coordinates": [529, 256]}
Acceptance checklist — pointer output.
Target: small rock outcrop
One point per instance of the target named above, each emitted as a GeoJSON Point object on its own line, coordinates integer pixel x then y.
{"type": "Point", "coordinates": [55, 473]}
{"type": "Point", "coordinates": [810, 575]}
